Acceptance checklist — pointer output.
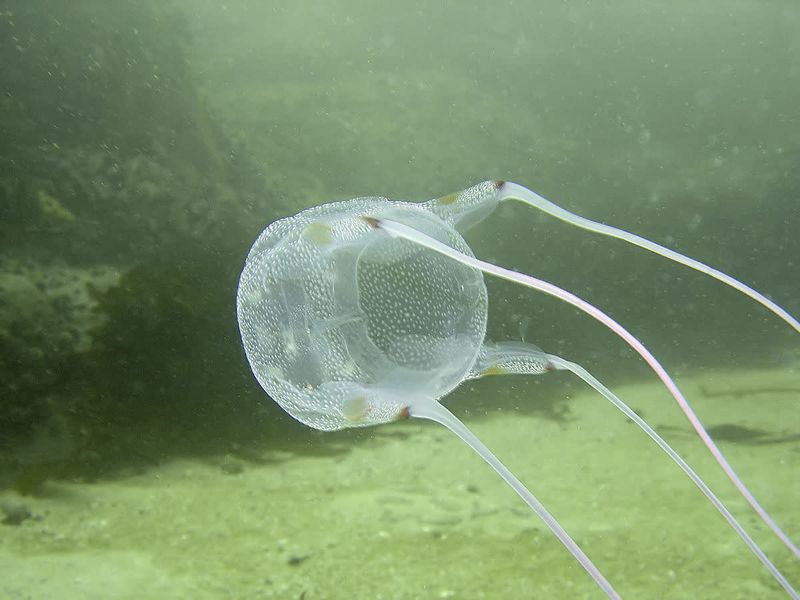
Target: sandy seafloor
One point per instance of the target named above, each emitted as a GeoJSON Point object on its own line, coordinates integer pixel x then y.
{"type": "Point", "coordinates": [407, 511]}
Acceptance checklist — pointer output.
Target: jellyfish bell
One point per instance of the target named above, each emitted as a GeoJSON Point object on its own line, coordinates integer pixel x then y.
{"type": "Point", "coordinates": [332, 311]}
{"type": "Point", "coordinates": [367, 311]}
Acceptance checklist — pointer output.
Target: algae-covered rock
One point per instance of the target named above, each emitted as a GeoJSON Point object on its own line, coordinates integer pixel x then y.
{"type": "Point", "coordinates": [46, 315]}
{"type": "Point", "coordinates": [107, 149]}
{"type": "Point", "coordinates": [125, 212]}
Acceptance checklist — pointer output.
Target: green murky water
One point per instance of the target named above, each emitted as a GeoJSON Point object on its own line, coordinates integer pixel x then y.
{"type": "Point", "coordinates": [142, 149]}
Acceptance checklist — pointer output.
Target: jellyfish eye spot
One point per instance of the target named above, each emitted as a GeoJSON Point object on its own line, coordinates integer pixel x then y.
{"type": "Point", "coordinates": [355, 409]}
{"type": "Point", "coordinates": [450, 198]}
{"type": "Point", "coordinates": [317, 233]}
{"type": "Point", "coordinates": [494, 370]}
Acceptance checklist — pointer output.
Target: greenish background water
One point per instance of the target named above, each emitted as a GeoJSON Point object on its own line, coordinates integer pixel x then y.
{"type": "Point", "coordinates": [677, 122]}
{"type": "Point", "coordinates": [144, 146]}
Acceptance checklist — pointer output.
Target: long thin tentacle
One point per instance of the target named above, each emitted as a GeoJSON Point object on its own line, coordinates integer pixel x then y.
{"type": "Point", "coordinates": [403, 231]}
{"type": "Point", "coordinates": [560, 363]}
{"type": "Point", "coordinates": [436, 412]}
{"type": "Point", "coordinates": [513, 191]}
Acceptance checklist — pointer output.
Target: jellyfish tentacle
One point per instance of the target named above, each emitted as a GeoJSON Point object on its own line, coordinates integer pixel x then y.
{"type": "Point", "coordinates": [464, 209]}
{"type": "Point", "coordinates": [399, 230]}
{"type": "Point", "coordinates": [434, 411]}
{"type": "Point", "coordinates": [510, 358]}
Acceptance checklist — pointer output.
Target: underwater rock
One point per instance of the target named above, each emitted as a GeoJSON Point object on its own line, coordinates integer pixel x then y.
{"type": "Point", "coordinates": [111, 164]}
{"type": "Point", "coordinates": [46, 315]}
{"type": "Point", "coordinates": [55, 301]}
{"type": "Point", "coordinates": [15, 513]}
